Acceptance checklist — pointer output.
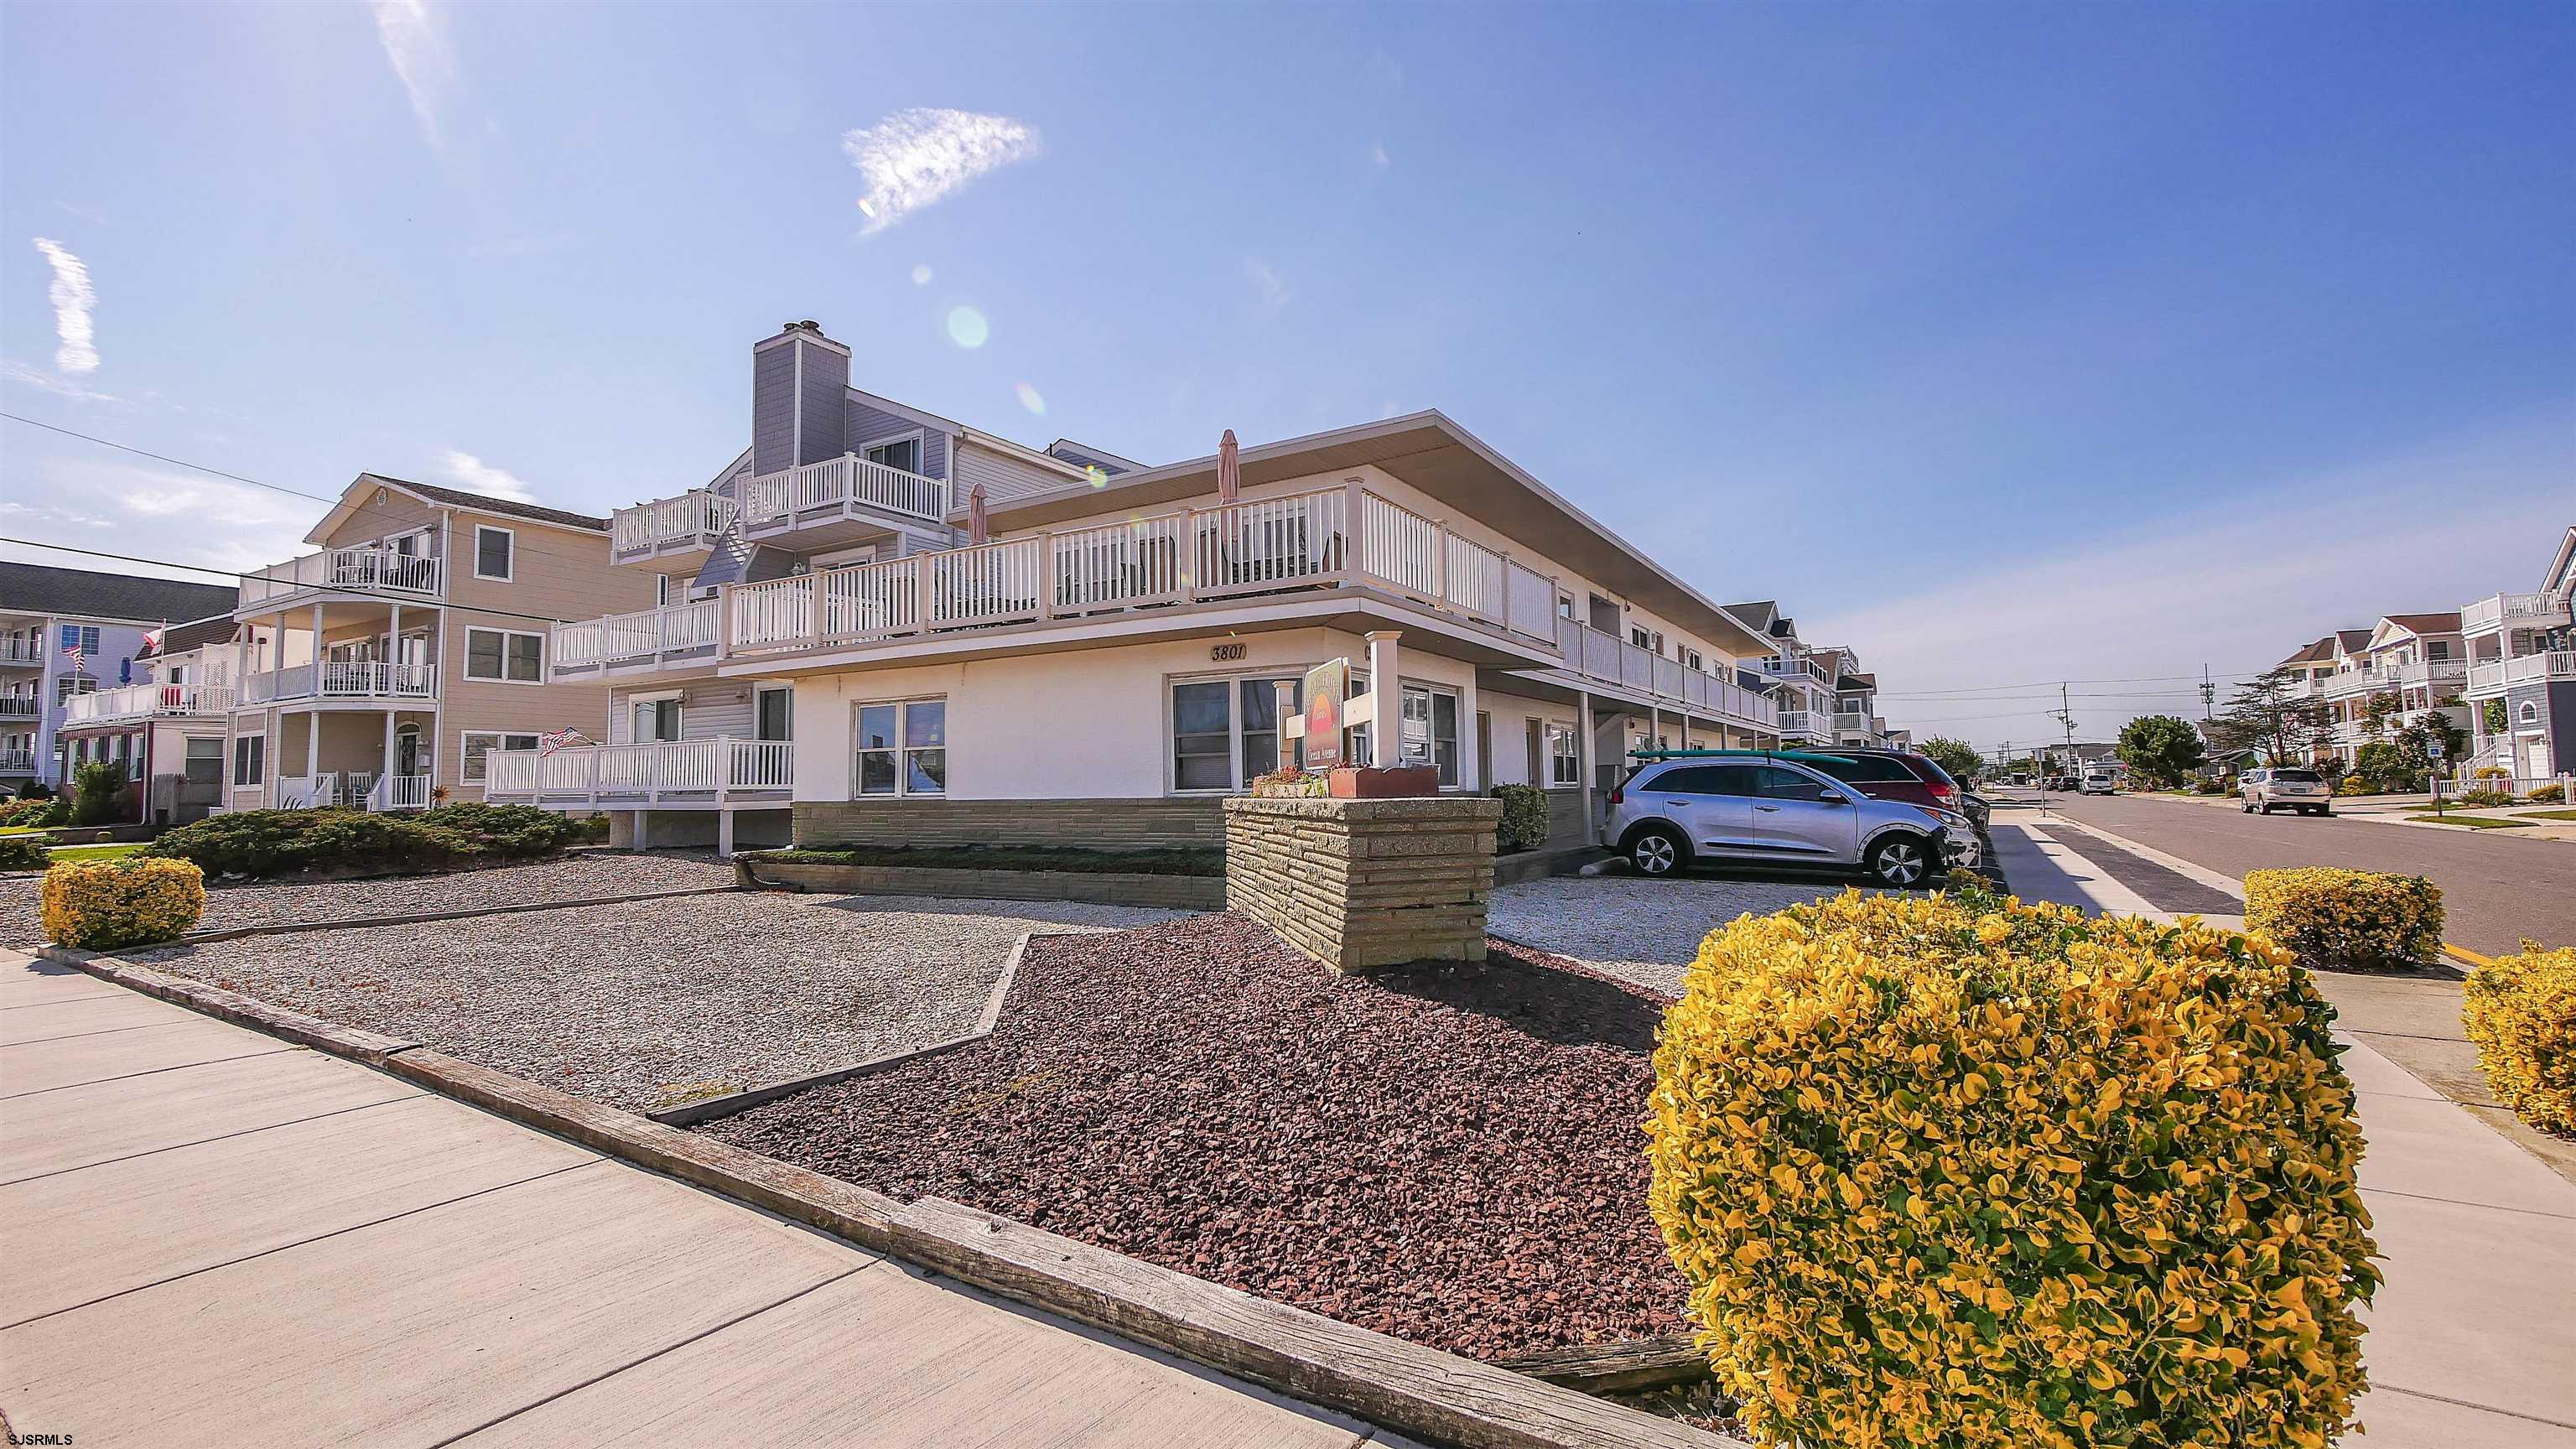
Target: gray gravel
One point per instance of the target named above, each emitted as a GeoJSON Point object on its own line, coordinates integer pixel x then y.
{"type": "Point", "coordinates": [1644, 931]}
{"type": "Point", "coordinates": [576, 876]}
{"type": "Point", "coordinates": [655, 1003]}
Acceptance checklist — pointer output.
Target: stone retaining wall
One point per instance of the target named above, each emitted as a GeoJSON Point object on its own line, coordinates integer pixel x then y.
{"type": "Point", "coordinates": [1097, 824]}
{"type": "Point", "coordinates": [1113, 888]}
{"type": "Point", "coordinates": [1359, 884]}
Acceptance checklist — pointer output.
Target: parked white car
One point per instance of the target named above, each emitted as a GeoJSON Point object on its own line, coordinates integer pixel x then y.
{"type": "Point", "coordinates": [2287, 787]}
{"type": "Point", "coordinates": [2100, 782]}
{"type": "Point", "coordinates": [1673, 812]}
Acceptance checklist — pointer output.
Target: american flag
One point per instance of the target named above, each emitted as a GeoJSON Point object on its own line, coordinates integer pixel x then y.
{"type": "Point", "coordinates": [555, 740]}
{"type": "Point", "coordinates": [78, 659]}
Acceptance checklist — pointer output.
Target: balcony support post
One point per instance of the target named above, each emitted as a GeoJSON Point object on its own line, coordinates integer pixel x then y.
{"type": "Point", "coordinates": [385, 762]}
{"type": "Point", "coordinates": [313, 739]}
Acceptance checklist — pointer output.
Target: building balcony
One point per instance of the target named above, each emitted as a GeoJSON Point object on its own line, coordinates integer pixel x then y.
{"type": "Point", "coordinates": [22, 653]}
{"type": "Point", "coordinates": [21, 706]}
{"type": "Point", "coordinates": [364, 570]}
{"type": "Point", "coordinates": [1596, 657]}
{"type": "Point", "coordinates": [685, 527]}
{"type": "Point", "coordinates": [645, 640]}
{"type": "Point", "coordinates": [145, 701]}
{"type": "Point", "coordinates": [2493, 678]}
{"type": "Point", "coordinates": [839, 499]}
{"type": "Point", "coordinates": [661, 775]}
{"type": "Point", "coordinates": [1798, 667]}
{"type": "Point", "coordinates": [1803, 725]}
{"type": "Point", "coordinates": [2513, 611]}
{"type": "Point", "coordinates": [340, 679]}
{"type": "Point", "coordinates": [17, 762]}
{"type": "Point", "coordinates": [353, 790]}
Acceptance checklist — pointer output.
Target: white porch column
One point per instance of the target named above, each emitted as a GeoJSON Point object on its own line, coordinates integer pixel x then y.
{"type": "Point", "coordinates": [393, 654]}
{"type": "Point", "coordinates": [1387, 690]}
{"type": "Point", "coordinates": [724, 834]}
{"type": "Point", "coordinates": [312, 740]}
{"type": "Point", "coordinates": [1583, 756]}
{"type": "Point", "coordinates": [385, 762]}
{"type": "Point", "coordinates": [1655, 725]}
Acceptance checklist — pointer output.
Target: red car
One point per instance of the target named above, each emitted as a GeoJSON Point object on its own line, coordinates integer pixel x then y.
{"type": "Point", "coordinates": [1884, 774]}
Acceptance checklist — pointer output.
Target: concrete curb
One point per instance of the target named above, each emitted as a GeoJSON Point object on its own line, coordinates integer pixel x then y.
{"type": "Point", "coordinates": [1417, 1391]}
{"type": "Point", "coordinates": [414, 918]}
{"type": "Point", "coordinates": [690, 1114]}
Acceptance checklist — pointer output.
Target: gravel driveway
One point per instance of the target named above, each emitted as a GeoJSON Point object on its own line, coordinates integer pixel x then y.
{"type": "Point", "coordinates": [581, 874]}
{"type": "Point", "coordinates": [654, 1003]}
{"type": "Point", "coordinates": [1643, 931]}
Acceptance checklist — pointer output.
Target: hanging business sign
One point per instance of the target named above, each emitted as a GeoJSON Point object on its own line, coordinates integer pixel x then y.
{"type": "Point", "coordinates": [1327, 688]}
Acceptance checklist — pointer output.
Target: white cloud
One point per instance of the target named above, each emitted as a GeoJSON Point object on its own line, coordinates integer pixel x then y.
{"type": "Point", "coordinates": [1980, 659]}
{"type": "Point", "coordinates": [415, 40]}
{"type": "Point", "coordinates": [146, 511]}
{"type": "Point", "coordinates": [476, 476]}
{"type": "Point", "coordinates": [913, 158]}
{"type": "Point", "coordinates": [1270, 292]}
{"type": "Point", "coordinates": [73, 298]}
{"type": "Point", "coordinates": [1378, 157]}
{"type": "Point", "coordinates": [12, 370]}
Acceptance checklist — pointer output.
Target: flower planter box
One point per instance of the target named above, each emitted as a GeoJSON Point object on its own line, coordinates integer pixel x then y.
{"type": "Point", "coordinates": [1112, 888]}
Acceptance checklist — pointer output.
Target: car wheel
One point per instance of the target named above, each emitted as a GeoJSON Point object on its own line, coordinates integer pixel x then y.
{"type": "Point", "coordinates": [2244, 807]}
{"type": "Point", "coordinates": [2267, 807]}
{"type": "Point", "coordinates": [1658, 850]}
{"type": "Point", "coordinates": [1900, 860]}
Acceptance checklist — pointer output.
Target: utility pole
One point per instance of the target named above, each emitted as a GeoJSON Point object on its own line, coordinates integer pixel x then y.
{"type": "Point", "coordinates": [2208, 692]}
{"type": "Point", "coordinates": [2066, 717]}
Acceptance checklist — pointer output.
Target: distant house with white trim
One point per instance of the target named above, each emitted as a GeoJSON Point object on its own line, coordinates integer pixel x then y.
{"type": "Point", "coordinates": [65, 633]}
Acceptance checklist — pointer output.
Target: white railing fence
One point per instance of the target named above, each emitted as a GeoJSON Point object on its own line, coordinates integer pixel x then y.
{"type": "Point", "coordinates": [1264, 544]}
{"type": "Point", "coordinates": [399, 792]}
{"type": "Point", "coordinates": [136, 700]}
{"type": "Point", "coordinates": [837, 483]}
{"type": "Point", "coordinates": [705, 770]}
{"type": "Point", "coordinates": [369, 568]}
{"type": "Point", "coordinates": [643, 634]}
{"type": "Point", "coordinates": [693, 518]}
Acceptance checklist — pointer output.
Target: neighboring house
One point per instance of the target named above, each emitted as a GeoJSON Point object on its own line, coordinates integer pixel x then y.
{"type": "Point", "coordinates": [1800, 679]}
{"type": "Point", "coordinates": [169, 728]}
{"type": "Point", "coordinates": [45, 613]}
{"type": "Point", "coordinates": [2522, 666]}
{"type": "Point", "coordinates": [2412, 663]}
{"type": "Point", "coordinates": [384, 670]}
{"type": "Point", "coordinates": [833, 657]}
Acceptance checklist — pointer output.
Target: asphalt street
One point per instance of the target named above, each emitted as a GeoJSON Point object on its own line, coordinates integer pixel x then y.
{"type": "Point", "coordinates": [2496, 890]}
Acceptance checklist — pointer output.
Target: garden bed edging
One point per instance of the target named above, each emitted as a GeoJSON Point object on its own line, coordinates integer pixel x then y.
{"type": "Point", "coordinates": [1108, 888]}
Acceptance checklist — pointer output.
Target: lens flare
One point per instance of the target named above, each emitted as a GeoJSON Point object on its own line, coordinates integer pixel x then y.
{"type": "Point", "coordinates": [1029, 398]}
{"type": "Point", "coordinates": [967, 327]}
{"type": "Point", "coordinates": [1099, 478]}
{"type": "Point", "coordinates": [921, 274]}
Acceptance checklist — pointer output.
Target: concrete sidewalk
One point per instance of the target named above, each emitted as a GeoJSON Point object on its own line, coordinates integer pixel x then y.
{"type": "Point", "coordinates": [2472, 1342]}
{"type": "Point", "coordinates": [214, 1237]}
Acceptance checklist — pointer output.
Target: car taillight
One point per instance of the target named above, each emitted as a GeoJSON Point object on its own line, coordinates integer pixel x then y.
{"type": "Point", "coordinates": [1939, 791]}
{"type": "Point", "coordinates": [1618, 793]}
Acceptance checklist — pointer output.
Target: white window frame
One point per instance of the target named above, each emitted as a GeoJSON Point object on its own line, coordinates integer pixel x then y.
{"type": "Point", "coordinates": [232, 765]}
{"type": "Point", "coordinates": [902, 748]}
{"type": "Point", "coordinates": [506, 635]}
{"type": "Point", "coordinates": [1431, 692]}
{"type": "Point", "coordinates": [1235, 680]}
{"type": "Point", "coordinates": [918, 437]}
{"type": "Point", "coordinates": [1554, 730]}
{"type": "Point", "coordinates": [661, 591]}
{"type": "Point", "coordinates": [512, 535]}
{"type": "Point", "coordinates": [757, 691]}
{"type": "Point", "coordinates": [467, 771]}
{"type": "Point", "coordinates": [679, 697]}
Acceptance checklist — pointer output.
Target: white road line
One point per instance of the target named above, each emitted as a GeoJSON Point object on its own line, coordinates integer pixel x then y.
{"type": "Point", "coordinates": [2223, 884]}
{"type": "Point", "coordinates": [2064, 877]}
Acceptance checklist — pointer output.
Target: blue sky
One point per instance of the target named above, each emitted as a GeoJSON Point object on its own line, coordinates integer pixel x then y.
{"type": "Point", "coordinates": [2006, 343]}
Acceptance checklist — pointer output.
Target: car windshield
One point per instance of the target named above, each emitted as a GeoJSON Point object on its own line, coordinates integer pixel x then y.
{"type": "Point", "coordinates": [2297, 777]}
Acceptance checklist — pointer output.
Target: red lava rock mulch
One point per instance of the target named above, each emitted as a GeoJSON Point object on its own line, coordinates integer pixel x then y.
{"type": "Point", "coordinates": [1449, 1154]}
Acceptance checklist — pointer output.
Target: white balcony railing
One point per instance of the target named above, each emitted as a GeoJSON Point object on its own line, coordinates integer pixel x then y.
{"type": "Point", "coordinates": [341, 679]}
{"type": "Point", "coordinates": [1800, 722]}
{"type": "Point", "coordinates": [712, 772]}
{"type": "Point", "coordinates": [367, 569]}
{"type": "Point", "coordinates": [139, 701]}
{"type": "Point", "coordinates": [22, 706]}
{"type": "Point", "coordinates": [17, 762]}
{"type": "Point", "coordinates": [1258, 546]}
{"type": "Point", "coordinates": [1794, 666]}
{"type": "Point", "coordinates": [781, 500]}
{"type": "Point", "coordinates": [2512, 611]}
{"type": "Point", "coordinates": [2496, 676]}
{"type": "Point", "coordinates": [21, 650]}
{"type": "Point", "coordinates": [643, 637]}
{"type": "Point", "coordinates": [691, 522]}
{"type": "Point", "coordinates": [307, 792]}
{"type": "Point", "coordinates": [1597, 655]}
{"type": "Point", "coordinates": [398, 792]}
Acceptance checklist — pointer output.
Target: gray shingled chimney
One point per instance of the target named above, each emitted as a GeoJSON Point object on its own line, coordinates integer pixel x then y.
{"type": "Point", "coordinates": [799, 385]}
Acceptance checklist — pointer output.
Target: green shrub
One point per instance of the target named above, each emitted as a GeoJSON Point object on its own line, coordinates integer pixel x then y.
{"type": "Point", "coordinates": [1524, 824]}
{"type": "Point", "coordinates": [23, 852]}
{"type": "Point", "coordinates": [2552, 793]}
{"type": "Point", "coordinates": [2483, 799]}
{"type": "Point", "coordinates": [282, 842]}
{"type": "Point", "coordinates": [2330, 917]}
{"type": "Point", "coordinates": [101, 905]}
{"type": "Point", "coordinates": [1974, 1174]}
{"type": "Point", "coordinates": [34, 812]}
{"type": "Point", "coordinates": [2521, 1012]}
{"type": "Point", "coordinates": [99, 796]}
{"type": "Point", "coordinates": [514, 832]}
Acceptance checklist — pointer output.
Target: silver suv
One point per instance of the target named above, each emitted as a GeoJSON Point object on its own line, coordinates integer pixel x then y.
{"type": "Point", "coordinates": [2289, 788]}
{"type": "Point", "coordinates": [1755, 808]}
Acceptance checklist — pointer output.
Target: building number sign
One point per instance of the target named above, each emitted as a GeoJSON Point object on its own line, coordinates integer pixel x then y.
{"type": "Point", "coordinates": [1227, 653]}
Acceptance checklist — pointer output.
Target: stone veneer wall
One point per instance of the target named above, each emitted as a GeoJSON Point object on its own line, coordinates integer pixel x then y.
{"type": "Point", "coordinates": [1359, 884]}
{"type": "Point", "coordinates": [1099, 824]}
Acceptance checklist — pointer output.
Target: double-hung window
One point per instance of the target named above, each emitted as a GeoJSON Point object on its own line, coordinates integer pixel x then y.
{"type": "Point", "coordinates": [1564, 756]}
{"type": "Point", "coordinates": [477, 744]}
{"type": "Point", "coordinates": [1430, 730]}
{"type": "Point", "coordinates": [250, 759]}
{"type": "Point", "coordinates": [494, 552]}
{"type": "Point", "coordinates": [903, 747]}
{"type": "Point", "coordinates": [1225, 732]}
{"type": "Point", "coordinates": [506, 655]}
{"type": "Point", "coordinates": [85, 636]}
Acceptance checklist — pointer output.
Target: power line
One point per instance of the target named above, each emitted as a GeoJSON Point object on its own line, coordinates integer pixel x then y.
{"type": "Point", "coordinates": [315, 588]}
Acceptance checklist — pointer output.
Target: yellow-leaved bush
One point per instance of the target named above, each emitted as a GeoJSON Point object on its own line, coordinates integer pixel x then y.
{"type": "Point", "coordinates": [1958, 1171]}
{"type": "Point", "coordinates": [2333, 917]}
{"type": "Point", "coordinates": [101, 905]}
{"type": "Point", "coordinates": [2521, 1012]}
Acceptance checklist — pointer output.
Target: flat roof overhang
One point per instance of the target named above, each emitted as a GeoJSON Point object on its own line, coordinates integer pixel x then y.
{"type": "Point", "coordinates": [1356, 610]}
{"type": "Point", "coordinates": [1449, 464]}
{"type": "Point", "coordinates": [1555, 686]}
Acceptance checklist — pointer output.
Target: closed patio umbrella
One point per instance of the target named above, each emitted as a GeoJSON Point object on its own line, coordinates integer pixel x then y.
{"type": "Point", "coordinates": [1229, 469]}
{"type": "Point", "coordinates": [979, 528]}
